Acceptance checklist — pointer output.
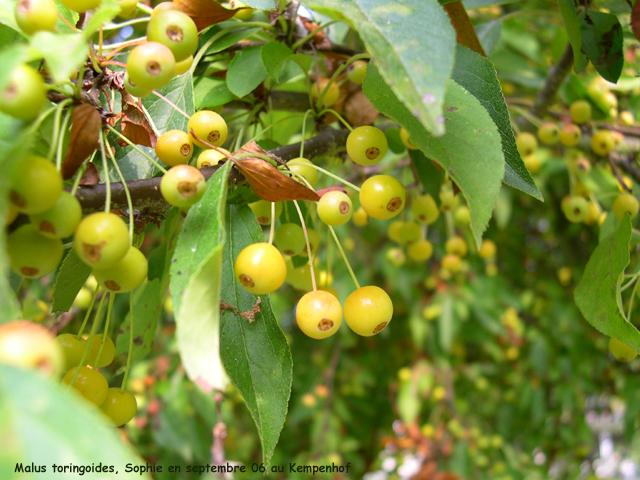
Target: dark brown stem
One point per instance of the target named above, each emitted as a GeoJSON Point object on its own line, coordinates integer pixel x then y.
{"type": "Point", "coordinates": [618, 175]}
{"type": "Point", "coordinates": [626, 164]}
{"type": "Point", "coordinates": [552, 84]}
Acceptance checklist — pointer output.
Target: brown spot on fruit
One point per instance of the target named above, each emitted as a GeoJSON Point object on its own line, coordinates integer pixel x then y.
{"type": "Point", "coordinates": [154, 68]}
{"type": "Point", "coordinates": [29, 271]}
{"type": "Point", "coordinates": [344, 208]}
{"type": "Point", "coordinates": [93, 252]}
{"type": "Point", "coordinates": [380, 327]}
{"type": "Point", "coordinates": [289, 252]}
{"type": "Point", "coordinates": [111, 285]}
{"type": "Point", "coordinates": [246, 281]}
{"type": "Point", "coordinates": [24, 6]}
{"type": "Point", "coordinates": [213, 136]}
{"type": "Point", "coordinates": [175, 33]}
{"type": "Point", "coordinates": [185, 150]}
{"type": "Point", "coordinates": [47, 227]}
{"type": "Point", "coordinates": [17, 199]}
{"type": "Point", "coordinates": [325, 324]}
{"type": "Point", "coordinates": [372, 153]}
{"type": "Point", "coordinates": [205, 164]}
{"type": "Point", "coordinates": [394, 204]}
{"type": "Point", "coordinates": [187, 189]}
{"type": "Point", "coordinates": [263, 220]}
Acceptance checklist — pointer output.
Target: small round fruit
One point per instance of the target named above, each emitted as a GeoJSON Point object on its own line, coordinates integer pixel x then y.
{"type": "Point", "coordinates": [368, 310]}
{"type": "Point", "coordinates": [357, 71]}
{"type": "Point", "coordinates": [625, 204]}
{"type": "Point", "coordinates": [448, 200]}
{"type": "Point", "coordinates": [101, 239]}
{"type": "Point", "coordinates": [360, 217]}
{"type": "Point", "coordinates": [575, 208]}
{"type": "Point", "coordinates": [32, 255]}
{"type": "Point", "coordinates": [127, 7]}
{"type": "Point", "coordinates": [335, 208]}
{"type": "Point", "coordinates": [300, 278]}
{"type": "Point", "coordinates": [135, 90]}
{"type": "Point", "coordinates": [621, 351]}
{"type": "Point", "coordinates": [176, 30]}
{"type": "Point", "coordinates": [61, 220]}
{"type": "Point", "coordinates": [89, 383]}
{"type": "Point", "coordinates": [163, 6]}
{"type": "Point", "coordinates": [582, 166]}
{"type": "Point", "coordinates": [580, 111]}
{"type": "Point", "coordinates": [314, 243]}
{"type": "Point", "coordinates": [424, 209]}
{"type": "Point", "coordinates": [549, 133]}
{"type": "Point", "coordinates": [119, 407]}
{"type": "Point", "coordinates": [570, 135]}
{"type": "Point", "coordinates": [208, 126]}
{"type": "Point", "coordinates": [452, 263]}
{"type": "Point", "coordinates": [396, 257]}
{"type": "Point", "coordinates": [174, 148]}
{"type": "Point", "coordinates": [532, 162]}
{"type": "Point", "coordinates": [12, 214]}
{"type": "Point", "coordinates": [300, 167]}
{"type": "Point", "coordinates": [72, 349]}
{"type": "Point", "coordinates": [602, 142]}
{"type": "Point", "coordinates": [332, 95]}
{"type": "Point", "coordinates": [262, 210]}
{"type": "Point", "coordinates": [245, 14]}
{"type": "Point", "coordinates": [210, 158]}
{"type": "Point", "coordinates": [289, 238]}
{"type": "Point", "coordinates": [367, 145]}
{"type": "Point", "coordinates": [526, 143]}
{"type": "Point", "coordinates": [487, 250]}
{"type": "Point", "coordinates": [25, 93]}
{"type": "Point", "coordinates": [393, 231]}
{"type": "Point", "coordinates": [420, 251]}
{"type": "Point", "coordinates": [260, 268]}
{"type": "Point", "coordinates": [126, 275]}
{"type": "Point", "coordinates": [382, 197]}
{"type": "Point", "coordinates": [319, 314]}
{"type": "Point", "coordinates": [106, 356]}
{"type": "Point", "coordinates": [82, 6]}
{"type": "Point", "coordinates": [626, 118]}
{"type": "Point", "coordinates": [151, 65]}
{"type": "Point", "coordinates": [406, 139]}
{"type": "Point", "coordinates": [28, 345]}
{"type": "Point", "coordinates": [183, 66]}
{"type": "Point", "coordinates": [409, 232]}
{"type": "Point", "coordinates": [183, 185]}
{"type": "Point", "coordinates": [36, 15]}
{"type": "Point", "coordinates": [456, 246]}
{"type": "Point", "coordinates": [36, 185]}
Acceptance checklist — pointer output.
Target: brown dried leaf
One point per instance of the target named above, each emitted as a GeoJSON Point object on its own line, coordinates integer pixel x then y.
{"type": "Point", "coordinates": [250, 315]}
{"type": "Point", "coordinates": [135, 124]}
{"type": "Point", "coordinates": [205, 12]}
{"type": "Point", "coordinates": [269, 183]}
{"type": "Point", "coordinates": [85, 135]}
{"type": "Point", "coordinates": [91, 175]}
{"type": "Point", "coordinates": [335, 188]}
{"type": "Point", "coordinates": [359, 110]}
{"type": "Point", "coordinates": [635, 20]}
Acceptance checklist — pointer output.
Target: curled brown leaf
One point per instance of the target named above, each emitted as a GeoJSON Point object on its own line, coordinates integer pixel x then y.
{"type": "Point", "coordinates": [135, 124]}
{"type": "Point", "coordinates": [205, 12]}
{"type": "Point", "coordinates": [85, 135]}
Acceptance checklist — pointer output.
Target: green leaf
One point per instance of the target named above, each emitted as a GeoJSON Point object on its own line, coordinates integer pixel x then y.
{"type": "Point", "coordinates": [68, 14]}
{"type": "Point", "coordinates": [430, 176]}
{"type": "Point", "coordinates": [472, 4]}
{"type": "Point", "coordinates": [195, 285]}
{"type": "Point", "coordinates": [44, 423]}
{"type": "Point", "coordinates": [602, 42]}
{"type": "Point", "coordinates": [572, 23]}
{"type": "Point", "coordinates": [408, 402]}
{"type": "Point", "coordinates": [256, 354]}
{"type": "Point", "coordinates": [274, 54]}
{"type": "Point", "coordinates": [262, 4]}
{"type": "Point", "coordinates": [106, 12]}
{"type": "Point", "coordinates": [7, 16]}
{"type": "Point", "coordinates": [303, 61]}
{"type": "Point", "coordinates": [470, 151]}
{"type": "Point", "coordinates": [64, 52]}
{"type": "Point", "coordinates": [478, 76]}
{"type": "Point", "coordinates": [211, 92]}
{"type": "Point", "coordinates": [71, 277]}
{"type": "Point", "coordinates": [227, 40]}
{"type": "Point", "coordinates": [489, 34]}
{"type": "Point", "coordinates": [413, 59]}
{"type": "Point", "coordinates": [246, 71]}
{"type": "Point", "coordinates": [598, 293]}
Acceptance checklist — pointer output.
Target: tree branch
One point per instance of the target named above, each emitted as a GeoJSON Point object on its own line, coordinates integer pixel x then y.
{"type": "Point", "coordinates": [552, 84]}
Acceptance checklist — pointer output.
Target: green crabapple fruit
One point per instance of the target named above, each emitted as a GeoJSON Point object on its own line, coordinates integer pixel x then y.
{"type": "Point", "coordinates": [289, 238]}
{"type": "Point", "coordinates": [357, 71]}
{"type": "Point", "coordinates": [332, 95]}
{"type": "Point", "coordinates": [448, 200]}
{"type": "Point", "coordinates": [570, 135]}
{"type": "Point", "coordinates": [367, 145]}
{"type": "Point", "coordinates": [368, 310]}
{"type": "Point", "coordinates": [72, 349]}
{"type": "Point", "coordinates": [26, 344]}
{"type": "Point", "coordinates": [210, 158]}
{"type": "Point", "coordinates": [300, 166]}
{"type": "Point", "coordinates": [580, 111]}
{"type": "Point", "coordinates": [575, 208]}
{"type": "Point", "coordinates": [393, 231]}
{"type": "Point", "coordinates": [245, 14]}
{"type": "Point", "coordinates": [406, 139]}
{"type": "Point", "coordinates": [36, 185]}
{"type": "Point", "coordinates": [25, 93]}
{"type": "Point", "coordinates": [335, 208]}
{"type": "Point", "coordinates": [81, 6]}
{"type": "Point", "coordinates": [126, 275]}
{"type": "Point", "coordinates": [61, 220]}
{"type": "Point", "coordinates": [260, 268]}
{"type": "Point", "coordinates": [314, 243]}
{"type": "Point", "coordinates": [487, 249]}
{"type": "Point", "coordinates": [621, 351]}
{"type": "Point", "coordinates": [151, 65]}
{"type": "Point", "coordinates": [396, 257]}
{"type": "Point", "coordinates": [382, 197]}
{"type": "Point", "coordinates": [549, 133]}
{"type": "Point", "coordinates": [175, 30]}
{"type": "Point", "coordinates": [424, 209]}
{"type": "Point", "coordinates": [106, 356]}
{"type": "Point", "coordinates": [420, 251]}
{"type": "Point", "coordinates": [163, 6]}
{"type": "Point", "coordinates": [456, 246]}
{"type": "Point", "coordinates": [183, 66]}
{"type": "Point", "coordinates": [624, 204]}
{"type": "Point", "coordinates": [462, 216]}
{"type": "Point", "coordinates": [451, 262]}
{"type": "Point", "coordinates": [119, 407]}
{"type": "Point", "coordinates": [183, 185]}
{"type": "Point", "coordinates": [36, 15]}
{"type": "Point", "coordinates": [360, 217]}
{"type": "Point", "coordinates": [602, 142]}
{"type": "Point", "coordinates": [300, 277]}
{"type": "Point", "coordinates": [532, 162]}
{"type": "Point", "coordinates": [89, 383]}
{"type": "Point", "coordinates": [319, 314]}
{"type": "Point", "coordinates": [208, 126]}
{"type": "Point", "coordinates": [409, 232]}
{"type": "Point", "coordinates": [101, 239]}
{"type": "Point", "coordinates": [626, 118]}
{"type": "Point", "coordinates": [133, 89]}
{"type": "Point", "coordinates": [526, 143]}
{"type": "Point", "coordinates": [32, 255]}
{"type": "Point", "coordinates": [127, 7]}
{"type": "Point", "coordinates": [262, 210]}
{"type": "Point", "coordinates": [174, 148]}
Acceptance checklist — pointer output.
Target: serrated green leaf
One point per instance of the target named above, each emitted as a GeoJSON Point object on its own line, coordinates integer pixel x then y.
{"type": "Point", "coordinates": [415, 61]}
{"type": "Point", "coordinates": [195, 285]}
{"type": "Point", "coordinates": [274, 54]}
{"type": "Point", "coordinates": [71, 277]}
{"type": "Point", "coordinates": [262, 4]}
{"type": "Point", "coordinates": [470, 151]}
{"type": "Point", "coordinates": [246, 71]}
{"type": "Point", "coordinates": [211, 92]}
{"type": "Point", "coordinates": [489, 34]}
{"type": "Point", "coordinates": [430, 176]}
{"type": "Point", "coordinates": [227, 40]}
{"type": "Point", "coordinates": [478, 76]}
{"type": "Point", "coordinates": [107, 11]}
{"type": "Point", "coordinates": [572, 24]}
{"type": "Point", "coordinates": [303, 61]}
{"type": "Point", "coordinates": [256, 354]}
{"type": "Point", "coordinates": [602, 42]}
{"type": "Point", "coordinates": [64, 52]}
{"type": "Point", "coordinates": [44, 423]}
{"type": "Point", "coordinates": [598, 293]}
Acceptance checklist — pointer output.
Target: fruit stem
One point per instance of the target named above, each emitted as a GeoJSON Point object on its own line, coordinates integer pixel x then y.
{"type": "Point", "coordinates": [118, 26]}
{"type": "Point", "coordinates": [72, 27]}
{"type": "Point", "coordinates": [56, 129]}
{"type": "Point", "coordinates": [338, 71]}
{"type": "Point", "coordinates": [130, 352]}
{"type": "Point", "coordinates": [451, 231]}
{"type": "Point", "coordinates": [94, 60]}
{"type": "Point", "coordinates": [272, 227]}
{"type": "Point", "coordinates": [266, 158]}
{"type": "Point", "coordinates": [112, 297]}
{"type": "Point", "coordinates": [344, 122]}
{"type": "Point", "coordinates": [122, 45]}
{"type": "Point", "coordinates": [304, 124]}
{"type": "Point", "coordinates": [126, 192]}
{"type": "Point", "coordinates": [135, 147]}
{"type": "Point", "coordinates": [175, 107]}
{"type": "Point", "coordinates": [86, 317]}
{"type": "Point", "coordinates": [144, 8]}
{"type": "Point", "coordinates": [107, 180]}
{"type": "Point", "coordinates": [633, 294]}
{"type": "Point", "coordinates": [531, 118]}
{"type": "Point", "coordinates": [306, 239]}
{"type": "Point", "coordinates": [344, 257]}
{"type": "Point", "coordinates": [113, 62]}
{"type": "Point", "coordinates": [335, 177]}
{"type": "Point", "coordinates": [304, 40]}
